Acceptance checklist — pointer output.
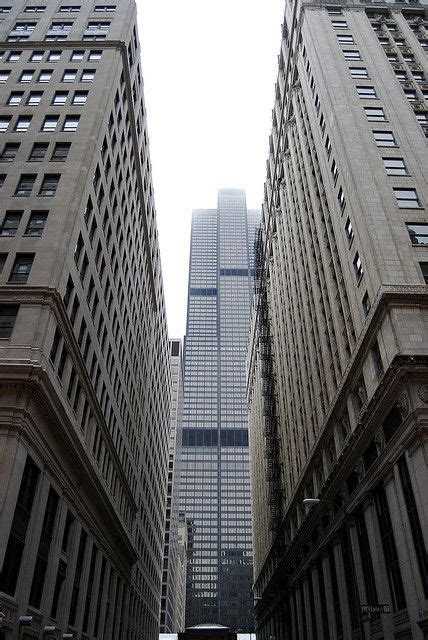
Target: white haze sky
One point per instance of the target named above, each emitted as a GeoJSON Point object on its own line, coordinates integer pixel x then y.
{"type": "Point", "coordinates": [209, 72]}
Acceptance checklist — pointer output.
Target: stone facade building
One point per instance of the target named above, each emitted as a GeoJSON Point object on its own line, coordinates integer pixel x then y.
{"type": "Point", "coordinates": [173, 578]}
{"type": "Point", "coordinates": [84, 361]}
{"type": "Point", "coordinates": [338, 352]}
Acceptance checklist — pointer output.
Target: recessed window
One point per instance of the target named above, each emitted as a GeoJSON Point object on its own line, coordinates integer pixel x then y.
{"type": "Point", "coordinates": [80, 97]}
{"type": "Point", "coordinates": [366, 93]}
{"type": "Point", "coordinates": [345, 38]}
{"type": "Point", "coordinates": [45, 75]}
{"type": "Point", "coordinates": [10, 223]}
{"type": "Point", "coordinates": [424, 269]}
{"type": "Point", "coordinates": [366, 304]}
{"type": "Point", "coordinates": [4, 75]}
{"type": "Point", "coordinates": [61, 26]}
{"type": "Point", "coordinates": [358, 267]}
{"type": "Point", "coordinates": [349, 232]}
{"type": "Point", "coordinates": [98, 26]}
{"type": "Point", "coordinates": [3, 258]}
{"type": "Point", "coordinates": [339, 24]}
{"type": "Point", "coordinates": [15, 98]}
{"type": "Point", "coordinates": [9, 152]}
{"type": "Point", "coordinates": [5, 9]}
{"type": "Point", "coordinates": [69, 8]}
{"type": "Point", "coordinates": [359, 72]}
{"type": "Point", "coordinates": [25, 185]}
{"type": "Point", "coordinates": [38, 152]}
{"type": "Point", "coordinates": [36, 223]}
{"type": "Point", "coordinates": [352, 55]}
{"type": "Point", "coordinates": [104, 7]}
{"type": "Point", "coordinates": [8, 313]}
{"type": "Point", "coordinates": [77, 55]}
{"type": "Point", "coordinates": [392, 57]}
{"type": "Point", "coordinates": [418, 75]}
{"type": "Point", "coordinates": [14, 56]}
{"type": "Point", "coordinates": [34, 97]}
{"type": "Point", "coordinates": [26, 76]}
{"type": "Point", "coordinates": [384, 138]}
{"type": "Point", "coordinates": [60, 97]}
{"type": "Point", "coordinates": [50, 123]}
{"type": "Point", "coordinates": [87, 76]}
{"type": "Point", "coordinates": [400, 75]}
{"type": "Point", "coordinates": [418, 233]}
{"type": "Point", "coordinates": [395, 166]}
{"type": "Point", "coordinates": [95, 55]}
{"type": "Point", "coordinates": [334, 171]}
{"type": "Point", "coordinates": [49, 185]}
{"type": "Point", "coordinates": [407, 198]}
{"type": "Point", "coordinates": [34, 9]}
{"type": "Point", "coordinates": [410, 95]}
{"type": "Point", "coordinates": [71, 123]}
{"type": "Point", "coordinates": [37, 56]}
{"type": "Point", "coordinates": [25, 26]}
{"type": "Point", "coordinates": [400, 42]}
{"type": "Point", "coordinates": [57, 37]}
{"type": "Point", "coordinates": [54, 56]}
{"type": "Point", "coordinates": [60, 151]}
{"type": "Point", "coordinates": [422, 116]}
{"type": "Point", "coordinates": [69, 75]}
{"type": "Point", "coordinates": [21, 268]}
{"type": "Point", "coordinates": [375, 114]}
{"type": "Point", "coordinates": [341, 199]}
{"type": "Point", "coordinates": [23, 123]}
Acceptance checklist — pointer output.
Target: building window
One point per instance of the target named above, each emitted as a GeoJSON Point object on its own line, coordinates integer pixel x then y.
{"type": "Point", "coordinates": [352, 55]}
{"type": "Point", "coordinates": [424, 269]}
{"type": "Point", "coordinates": [61, 26]}
{"type": "Point", "coordinates": [349, 232]}
{"type": "Point", "coordinates": [24, 26]}
{"type": "Point", "coordinates": [8, 313]}
{"type": "Point", "coordinates": [38, 152]}
{"type": "Point", "coordinates": [366, 93]}
{"type": "Point", "coordinates": [9, 152]}
{"type": "Point", "coordinates": [69, 8]}
{"type": "Point", "coordinates": [339, 24]}
{"type": "Point", "coordinates": [105, 7]}
{"type": "Point", "coordinates": [14, 56]}
{"type": "Point", "coordinates": [358, 267]}
{"type": "Point", "coordinates": [98, 26]}
{"type": "Point", "coordinates": [71, 123]}
{"type": "Point", "coordinates": [395, 166]}
{"type": "Point", "coordinates": [60, 151]}
{"type": "Point", "coordinates": [60, 97]}
{"type": "Point", "coordinates": [77, 55]}
{"type": "Point", "coordinates": [11, 223]}
{"type": "Point", "coordinates": [4, 75]}
{"type": "Point", "coordinates": [21, 268]}
{"type": "Point", "coordinates": [87, 76]}
{"type": "Point", "coordinates": [407, 198]}
{"type": "Point", "coordinates": [359, 72]}
{"type": "Point", "coordinates": [5, 9]}
{"type": "Point", "coordinates": [375, 114]}
{"type": "Point", "coordinates": [366, 558]}
{"type": "Point", "coordinates": [366, 304]}
{"type": "Point", "coordinates": [46, 535]}
{"type": "Point", "coordinates": [21, 518]}
{"type": "Point", "coordinates": [34, 97]}
{"type": "Point", "coordinates": [69, 75]}
{"type": "Point", "coordinates": [4, 123]}
{"type": "Point", "coordinates": [22, 124]}
{"type": "Point", "coordinates": [49, 185]}
{"type": "Point", "coordinates": [80, 97]}
{"type": "Point", "coordinates": [77, 577]}
{"type": "Point", "coordinates": [334, 171]}
{"type": "Point", "coordinates": [341, 199]}
{"type": "Point", "coordinates": [384, 139]}
{"type": "Point", "coordinates": [36, 223]}
{"type": "Point", "coordinates": [25, 185]}
{"type": "Point", "coordinates": [392, 564]}
{"type": "Point", "coordinates": [377, 359]}
{"type": "Point", "coordinates": [26, 76]}
{"type": "Point", "coordinates": [95, 55]}
{"type": "Point", "coordinates": [410, 95]}
{"type": "Point", "coordinates": [54, 56]}
{"type": "Point", "coordinates": [345, 39]}
{"type": "Point", "coordinates": [37, 56]}
{"type": "Point", "coordinates": [50, 123]}
{"type": "Point", "coordinates": [418, 233]}
{"type": "Point", "coordinates": [45, 75]}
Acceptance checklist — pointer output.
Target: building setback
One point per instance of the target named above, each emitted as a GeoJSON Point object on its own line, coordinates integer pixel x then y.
{"type": "Point", "coordinates": [215, 491]}
{"type": "Point", "coordinates": [338, 378]}
{"type": "Point", "coordinates": [84, 361]}
{"type": "Point", "coordinates": [173, 571]}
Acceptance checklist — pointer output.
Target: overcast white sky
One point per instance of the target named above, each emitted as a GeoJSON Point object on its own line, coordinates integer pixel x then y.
{"type": "Point", "coordinates": [209, 71]}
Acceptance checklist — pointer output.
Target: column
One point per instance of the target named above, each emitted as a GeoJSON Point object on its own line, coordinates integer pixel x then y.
{"type": "Point", "coordinates": [328, 594]}
{"type": "Point", "coordinates": [294, 634]}
{"type": "Point", "coordinates": [340, 572]}
{"type": "Point", "coordinates": [317, 598]}
{"type": "Point", "coordinates": [308, 613]}
{"type": "Point", "coordinates": [299, 611]}
{"type": "Point", "coordinates": [359, 575]}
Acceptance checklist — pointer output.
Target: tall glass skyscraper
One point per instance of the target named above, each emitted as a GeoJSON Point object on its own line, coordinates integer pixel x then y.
{"type": "Point", "coordinates": [215, 489]}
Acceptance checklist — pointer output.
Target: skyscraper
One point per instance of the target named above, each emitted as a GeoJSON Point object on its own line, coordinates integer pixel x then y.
{"type": "Point", "coordinates": [84, 363]}
{"type": "Point", "coordinates": [215, 493]}
{"type": "Point", "coordinates": [338, 377]}
{"type": "Point", "coordinates": [173, 570]}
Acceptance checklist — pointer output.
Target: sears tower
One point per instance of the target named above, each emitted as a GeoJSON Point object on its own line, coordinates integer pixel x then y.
{"type": "Point", "coordinates": [215, 487]}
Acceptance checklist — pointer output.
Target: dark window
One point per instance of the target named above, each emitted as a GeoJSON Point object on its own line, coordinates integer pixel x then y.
{"type": "Point", "coordinates": [11, 223]}
{"type": "Point", "coordinates": [324, 613]}
{"type": "Point", "coordinates": [8, 313]}
{"type": "Point", "coordinates": [68, 291]}
{"type": "Point", "coordinates": [60, 151]}
{"type": "Point", "coordinates": [424, 269]}
{"type": "Point", "coordinates": [49, 185]}
{"type": "Point", "coordinates": [392, 422]}
{"type": "Point", "coordinates": [69, 521]}
{"type": "Point", "coordinates": [43, 551]}
{"type": "Point", "coordinates": [9, 152]}
{"type": "Point", "coordinates": [366, 558]}
{"type": "Point", "coordinates": [3, 258]}
{"type": "Point", "coordinates": [36, 223]}
{"type": "Point", "coordinates": [350, 579]}
{"type": "Point", "coordinates": [25, 185]}
{"type": "Point", "coordinates": [21, 268]}
{"type": "Point", "coordinates": [377, 359]}
{"type": "Point", "coordinates": [89, 588]}
{"type": "Point", "coordinates": [60, 577]}
{"type": "Point", "coordinates": [99, 597]}
{"type": "Point", "coordinates": [38, 151]}
{"type": "Point", "coordinates": [415, 523]}
{"type": "Point", "coordinates": [366, 303]}
{"type": "Point", "coordinates": [370, 455]}
{"type": "Point", "coordinates": [389, 550]}
{"type": "Point", "coordinates": [77, 577]}
{"type": "Point", "coordinates": [55, 345]}
{"type": "Point", "coordinates": [418, 233]}
{"type": "Point", "coordinates": [21, 518]}
{"type": "Point", "coordinates": [335, 590]}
